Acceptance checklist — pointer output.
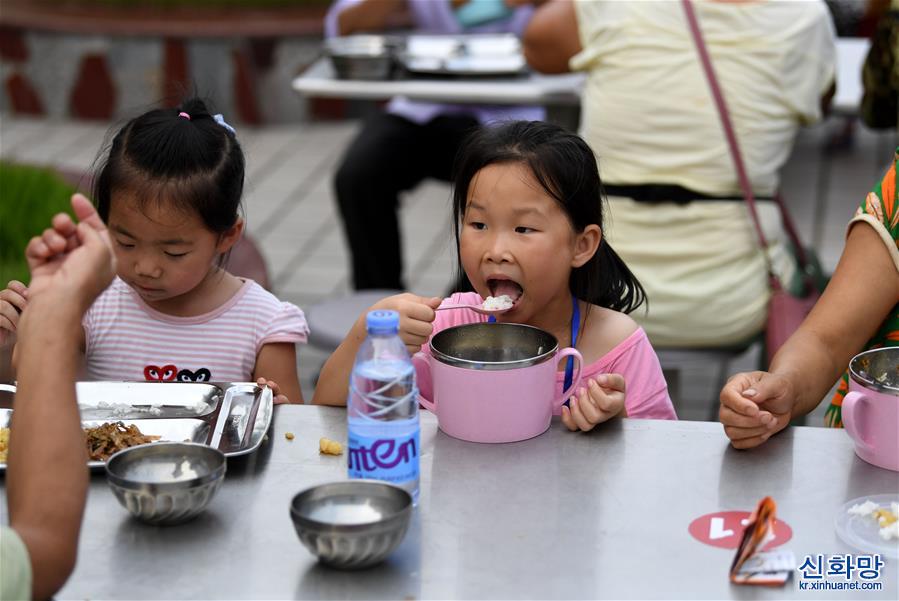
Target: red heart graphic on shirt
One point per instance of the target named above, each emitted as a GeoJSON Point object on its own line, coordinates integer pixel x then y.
{"type": "Point", "coordinates": [166, 373]}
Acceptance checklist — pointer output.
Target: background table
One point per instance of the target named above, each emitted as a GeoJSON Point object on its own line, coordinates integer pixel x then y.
{"type": "Point", "coordinates": [560, 94]}
{"type": "Point", "coordinates": [598, 515]}
{"type": "Point", "coordinates": [851, 53]}
{"type": "Point", "coordinates": [534, 88]}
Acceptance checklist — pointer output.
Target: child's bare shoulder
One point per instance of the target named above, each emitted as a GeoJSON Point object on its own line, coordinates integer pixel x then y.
{"type": "Point", "coordinates": [604, 330]}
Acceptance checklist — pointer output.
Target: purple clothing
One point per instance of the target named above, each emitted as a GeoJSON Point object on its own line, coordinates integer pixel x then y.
{"type": "Point", "coordinates": [436, 17]}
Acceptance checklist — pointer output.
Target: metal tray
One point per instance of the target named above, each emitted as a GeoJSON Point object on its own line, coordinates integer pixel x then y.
{"type": "Point", "coordinates": [463, 55]}
{"type": "Point", "coordinates": [233, 416]}
{"type": "Point", "coordinates": [249, 415]}
{"type": "Point", "coordinates": [141, 400]}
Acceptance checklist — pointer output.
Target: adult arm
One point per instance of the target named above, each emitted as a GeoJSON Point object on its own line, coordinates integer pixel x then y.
{"type": "Point", "coordinates": [552, 37]}
{"type": "Point", "coordinates": [756, 405]}
{"type": "Point", "coordinates": [842, 321]}
{"type": "Point", "coordinates": [47, 476]}
{"type": "Point", "coordinates": [277, 361]}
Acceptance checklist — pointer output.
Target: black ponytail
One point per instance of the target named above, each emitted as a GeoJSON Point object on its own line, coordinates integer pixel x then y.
{"type": "Point", "coordinates": [178, 156]}
{"type": "Point", "coordinates": [565, 166]}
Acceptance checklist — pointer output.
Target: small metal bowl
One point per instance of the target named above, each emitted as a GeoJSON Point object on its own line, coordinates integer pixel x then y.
{"type": "Point", "coordinates": [353, 524]}
{"type": "Point", "coordinates": [369, 57]}
{"type": "Point", "coordinates": [166, 483]}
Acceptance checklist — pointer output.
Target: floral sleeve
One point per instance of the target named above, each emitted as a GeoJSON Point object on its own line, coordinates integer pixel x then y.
{"type": "Point", "coordinates": [880, 209]}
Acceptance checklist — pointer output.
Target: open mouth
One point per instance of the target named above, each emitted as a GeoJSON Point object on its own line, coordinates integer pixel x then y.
{"type": "Point", "coordinates": [504, 286]}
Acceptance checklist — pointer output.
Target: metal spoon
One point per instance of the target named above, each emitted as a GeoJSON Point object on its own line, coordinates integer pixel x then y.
{"type": "Point", "coordinates": [476, 308]}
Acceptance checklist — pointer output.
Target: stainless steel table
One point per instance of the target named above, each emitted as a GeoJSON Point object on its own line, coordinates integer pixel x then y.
{"type": "Point", "coordinates": [560, 94]}
{"type": "Point", "coordinates": [320, 80]}
{"type": "Point", "coordinates": [598, 515]}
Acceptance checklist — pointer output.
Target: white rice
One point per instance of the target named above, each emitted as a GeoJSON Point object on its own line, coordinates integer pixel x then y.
{"type": "Point", "coordinates": [498, 303]}
{"type": "Point", "coordinates": [890, 532]}
{"type": "Point", "coordinates": [864, 509]}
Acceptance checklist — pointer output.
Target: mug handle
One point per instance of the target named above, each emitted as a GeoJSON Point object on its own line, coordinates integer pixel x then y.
{"type": "Point", "coordinates": [575, 381]}
{"type": "Point", "coordinates": [852, 404]}
{"type": "Point", "coordinates": [429, 405]}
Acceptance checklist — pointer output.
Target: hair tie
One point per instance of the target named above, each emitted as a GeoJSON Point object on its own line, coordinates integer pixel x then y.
{"type": "Point", "coordinates": [185, 115]}
{"type": "Point", "coordinates": [221, 121]}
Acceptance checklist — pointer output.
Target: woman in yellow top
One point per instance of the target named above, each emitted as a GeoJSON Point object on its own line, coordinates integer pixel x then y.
{"type": "Point", "coordinates": [859, 310]}
{"type": "Point", "coordinates": [677, 214]}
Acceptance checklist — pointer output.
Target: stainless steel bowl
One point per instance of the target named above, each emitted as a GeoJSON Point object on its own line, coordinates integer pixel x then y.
{"type": "Point", "coordinates": [353, 524]}
{"type": "Point", "coordinates": [370, 57]}
{"type": "Point", "coordinates": [877, 369]}
{"type": "Point", "coordinates": [493, 346]}
{"type": "Point", "coordinates": [166, 483]}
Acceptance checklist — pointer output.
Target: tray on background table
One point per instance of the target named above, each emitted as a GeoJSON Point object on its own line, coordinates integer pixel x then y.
{"type": "Point", "coordinates": [462, 55]}
{"type": "Point", "coordinates": [235, 414]}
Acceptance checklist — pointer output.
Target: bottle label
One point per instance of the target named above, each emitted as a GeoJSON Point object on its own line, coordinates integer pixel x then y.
{"type": "Point", "coordinates": [393, 460]}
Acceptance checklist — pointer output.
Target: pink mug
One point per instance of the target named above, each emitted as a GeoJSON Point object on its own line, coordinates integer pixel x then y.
{"type": "Point", "coordinates": [871, 408]}
{"type": "Point", "coordinates": [496, 382]}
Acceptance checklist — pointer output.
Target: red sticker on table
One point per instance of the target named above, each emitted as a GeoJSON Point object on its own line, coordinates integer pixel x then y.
{"type": "Point", "coordinates": [725, 529]}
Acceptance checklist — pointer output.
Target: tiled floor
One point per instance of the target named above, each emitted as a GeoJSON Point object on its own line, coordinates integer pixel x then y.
{"type": "Point", "coordinates": [290, 210]}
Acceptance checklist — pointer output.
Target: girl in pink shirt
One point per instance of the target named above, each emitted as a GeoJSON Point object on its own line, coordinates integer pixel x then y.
{"type": "Point", "coordinates": [169, 192]}
{"type": "Point", "coordinates": [528, 224]}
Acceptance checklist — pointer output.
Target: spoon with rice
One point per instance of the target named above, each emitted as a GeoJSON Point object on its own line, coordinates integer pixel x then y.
{"type": "Point", "coordinates": [492, 305]}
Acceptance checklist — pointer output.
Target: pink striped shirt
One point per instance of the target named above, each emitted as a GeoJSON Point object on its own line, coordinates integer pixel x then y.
{"type": "Point", "coordinates": [126, 339]}
{"type": "Point", "coordinates": [634, 358]}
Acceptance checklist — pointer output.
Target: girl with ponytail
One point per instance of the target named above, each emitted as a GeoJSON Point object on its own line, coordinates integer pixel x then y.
{"type": "Point", "coordinates": [528, 222]}
{"type": "Point", "coordinates": [169, 191]}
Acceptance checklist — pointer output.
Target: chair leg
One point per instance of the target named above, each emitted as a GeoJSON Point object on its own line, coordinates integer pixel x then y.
{"type": "Point", "coordinates": [672, 377]}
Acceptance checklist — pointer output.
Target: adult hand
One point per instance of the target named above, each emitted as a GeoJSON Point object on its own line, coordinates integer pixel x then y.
{"type": "Point", "coordinates": [755, 405]}
{"type": "Point", "coordinates": [601, 400]}
{"type": "Point", "coordinates": [416, 317]}
{"type": "Point", "coordinates": [72, 259]}
{"type": "Point", "coordinates": [13, 300]}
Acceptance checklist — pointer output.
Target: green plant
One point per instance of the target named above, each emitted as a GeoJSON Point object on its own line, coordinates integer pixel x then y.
{"type": "Point", "coordinates": [29, 198]}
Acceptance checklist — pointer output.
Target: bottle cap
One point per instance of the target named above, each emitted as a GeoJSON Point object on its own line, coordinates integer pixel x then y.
{"type": "Point", "coordinates": [382, 322]}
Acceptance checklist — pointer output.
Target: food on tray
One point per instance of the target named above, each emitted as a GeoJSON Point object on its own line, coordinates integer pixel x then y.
{"type": "Point", "coordinates": [887, 519]}
{"type": "Point", "coordinates": [326, 446]}
{"type": "Point", "coordinates": [288, 435]}
{"type": "Point", "coordinates": [4, 442]}
{"type": "Point", "coordinates": [106, 440]}
{"type": "Point", "coordinates": [498, 303]}
{"type": "Point", "coordinates": [123, 409]}
{"type": "Point", "coordinates": [102, 441]}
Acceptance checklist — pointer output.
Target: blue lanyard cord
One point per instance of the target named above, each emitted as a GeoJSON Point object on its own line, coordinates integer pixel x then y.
{"type": "Point", "coordinates": [575, 328]}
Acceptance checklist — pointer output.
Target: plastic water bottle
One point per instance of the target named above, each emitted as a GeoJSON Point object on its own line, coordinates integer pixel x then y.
{"type": "Point", "coordinates": [382, 408]}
